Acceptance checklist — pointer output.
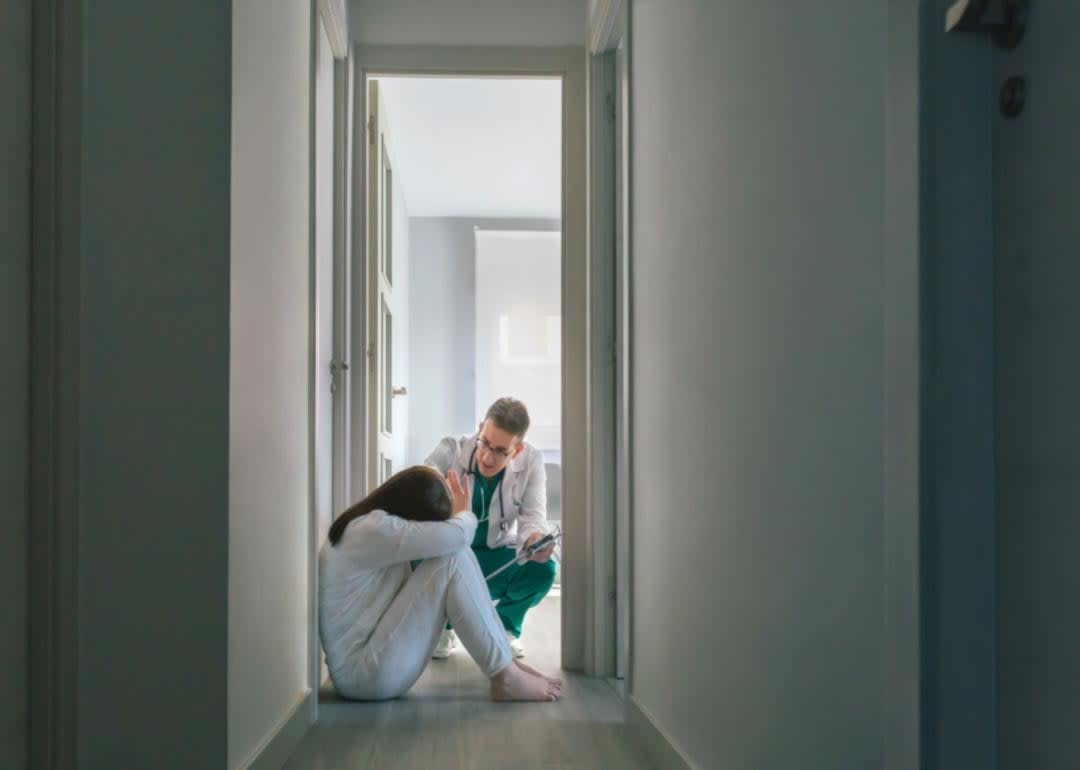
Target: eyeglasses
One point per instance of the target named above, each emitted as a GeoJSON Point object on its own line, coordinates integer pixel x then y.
{"type": "Point", "coordinates": [498, 452]}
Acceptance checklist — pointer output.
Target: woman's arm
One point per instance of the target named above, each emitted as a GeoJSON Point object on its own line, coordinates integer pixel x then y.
{"type": "Point", "coordinates": [380, 540]}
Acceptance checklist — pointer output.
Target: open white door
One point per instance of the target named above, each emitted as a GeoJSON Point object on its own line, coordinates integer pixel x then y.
{"type": "Point", "coordinates": [380, 295]}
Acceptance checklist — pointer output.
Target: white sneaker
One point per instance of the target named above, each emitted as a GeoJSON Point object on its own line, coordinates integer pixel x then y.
{"type": "Point", "coordinates": [447, 642]}
{"type": "Point", "coordinates": [517, 649]}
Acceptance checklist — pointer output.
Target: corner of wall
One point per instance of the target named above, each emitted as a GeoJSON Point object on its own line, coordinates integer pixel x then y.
{"type": "Point", "coordinates": [283, 738]}
{"type": "Point", "coordinates": [656, 743]}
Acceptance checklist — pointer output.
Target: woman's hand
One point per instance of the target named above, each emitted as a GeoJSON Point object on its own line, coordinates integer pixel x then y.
{"type": "Point", "coordinates": [460, 493]}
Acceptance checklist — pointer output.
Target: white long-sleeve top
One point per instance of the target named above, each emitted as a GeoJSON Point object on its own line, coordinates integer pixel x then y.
{"type": "Point", "coordinates": [360, 576]}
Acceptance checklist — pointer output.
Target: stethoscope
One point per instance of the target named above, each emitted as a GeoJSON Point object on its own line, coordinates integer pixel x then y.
{"type": "Point", "coordinates": [542, 543]}
{"type": "Point", "coordinates": [471, 470]}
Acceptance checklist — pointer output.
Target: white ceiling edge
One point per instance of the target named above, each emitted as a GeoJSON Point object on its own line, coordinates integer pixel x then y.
{"type": "Point", "coordinates": [525, 23]}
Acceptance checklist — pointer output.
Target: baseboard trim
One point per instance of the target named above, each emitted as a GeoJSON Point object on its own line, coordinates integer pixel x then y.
{"type": "Point", "coordinates": [280, 743]}
{"type": "Point", "coordinates": [657, 744]}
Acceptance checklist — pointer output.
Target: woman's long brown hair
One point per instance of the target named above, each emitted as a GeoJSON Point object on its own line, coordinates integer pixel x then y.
{"type": "Point", "coordinates": [418, 493]}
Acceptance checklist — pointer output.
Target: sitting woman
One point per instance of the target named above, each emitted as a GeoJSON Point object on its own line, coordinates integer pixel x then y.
{"type": "Point", "coordinates": [380, 619]}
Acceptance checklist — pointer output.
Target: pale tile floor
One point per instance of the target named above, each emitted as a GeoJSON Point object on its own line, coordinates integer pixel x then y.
{"type": "Point", "coordinates": [446, 722]}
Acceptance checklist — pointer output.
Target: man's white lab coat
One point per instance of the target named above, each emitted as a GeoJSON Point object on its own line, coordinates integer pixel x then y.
{"type": "Point", "coordinates": [519, 507]}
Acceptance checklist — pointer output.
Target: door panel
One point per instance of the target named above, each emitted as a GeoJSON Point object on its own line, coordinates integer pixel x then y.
{"type": "Point", "coordinates": [380, 295]}
{"type": "Point", "coordinates": [342, 288]}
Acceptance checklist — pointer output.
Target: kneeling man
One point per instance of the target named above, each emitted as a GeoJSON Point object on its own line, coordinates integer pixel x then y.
{"type": "Point", "coordinates": [509, 499]}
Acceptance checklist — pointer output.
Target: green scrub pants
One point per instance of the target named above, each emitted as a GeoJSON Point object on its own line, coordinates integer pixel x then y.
{"type": "Point", "coordinates": [519, 588]}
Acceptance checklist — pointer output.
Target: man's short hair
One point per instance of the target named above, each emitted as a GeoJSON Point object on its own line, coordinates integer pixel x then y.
{"type": "Point", "coordinates": [510, 415]}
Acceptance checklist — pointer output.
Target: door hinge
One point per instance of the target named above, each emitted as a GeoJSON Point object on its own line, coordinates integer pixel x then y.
{"type": "Point", "coordinates": [371, 129]}
{"type": "Point", "coordinates": [610, 102]}
{"type": "Point", "coordinates": [337, 367]}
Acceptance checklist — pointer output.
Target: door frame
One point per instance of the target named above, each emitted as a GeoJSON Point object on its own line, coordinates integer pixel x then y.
{"type": "Point", "coordinates": [326, 23]}
{"type": "Point", "coordinates": [623, 382]}
{"type": "Point", "coordinates": [55, 344]}
{"type": "Point", "coordinates": [611, 491]}
{"type": "Point", "coordinates": [569, 64]}
{"type": "Point", "coordinates": [380, 244]}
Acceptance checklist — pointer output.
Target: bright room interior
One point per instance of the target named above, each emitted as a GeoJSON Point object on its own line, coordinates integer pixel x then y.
{"type": "Point", "coordinates": [474, 212]}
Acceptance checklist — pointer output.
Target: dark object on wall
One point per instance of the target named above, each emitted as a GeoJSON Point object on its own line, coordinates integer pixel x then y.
{"type": "Point", "coordinates": [1013, 96]}
{"type": "Point", "coordinates": [1005, 20]}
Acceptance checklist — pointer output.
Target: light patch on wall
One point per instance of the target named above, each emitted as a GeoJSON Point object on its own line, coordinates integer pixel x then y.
{"type": "Point", "coordinates": [519, 327]}
{"type": "Point", "coordinates": [531, 339]}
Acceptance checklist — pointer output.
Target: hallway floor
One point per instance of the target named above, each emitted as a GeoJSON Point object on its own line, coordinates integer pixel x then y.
{"type": "Point", "coordinates": [446, 722]}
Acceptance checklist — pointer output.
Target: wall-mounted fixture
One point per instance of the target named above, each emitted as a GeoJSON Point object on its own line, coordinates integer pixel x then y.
{"type": "Point", "coordinates": [1013, 96]}
{"type": "Point", "coordinates": [1005, 20]}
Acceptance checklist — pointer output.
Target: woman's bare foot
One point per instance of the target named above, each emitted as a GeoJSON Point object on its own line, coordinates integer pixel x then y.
{"type": "Point", "coordinates": [529, 669]}
{"type": "Point", "coordinates": [514, 683]}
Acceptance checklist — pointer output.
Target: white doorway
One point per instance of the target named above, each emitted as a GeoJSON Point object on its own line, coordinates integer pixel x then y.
{"type": "Point", "coordinates": [368, 380]}
{"type": "Point", "coordinates": [464, 273]}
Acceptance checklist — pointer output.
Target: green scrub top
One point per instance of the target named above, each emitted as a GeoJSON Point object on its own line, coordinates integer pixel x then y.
{"type": "Point", "coordinates": [483, 492]}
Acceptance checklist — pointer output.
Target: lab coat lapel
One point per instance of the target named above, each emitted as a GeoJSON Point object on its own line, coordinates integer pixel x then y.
{"type": "Point", "coordinates": [465, 453]}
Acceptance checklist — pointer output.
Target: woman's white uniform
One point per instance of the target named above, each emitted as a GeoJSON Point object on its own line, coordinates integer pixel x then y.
{"type": "Point", "coordinates": [380, 620]}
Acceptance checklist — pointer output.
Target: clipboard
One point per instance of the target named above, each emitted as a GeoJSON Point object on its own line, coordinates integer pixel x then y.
{"type": "Point", "coordinates": [539, 545]}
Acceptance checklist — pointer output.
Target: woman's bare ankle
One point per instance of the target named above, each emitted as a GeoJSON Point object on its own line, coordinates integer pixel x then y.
{"type": "Point", "coordinates": [514, 683]}
{"type": "Point", "coordinates": [541, 674]}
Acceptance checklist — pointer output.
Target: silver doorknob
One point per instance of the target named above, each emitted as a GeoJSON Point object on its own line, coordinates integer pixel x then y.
{"type": "Point", "coordinates": [401, 391]}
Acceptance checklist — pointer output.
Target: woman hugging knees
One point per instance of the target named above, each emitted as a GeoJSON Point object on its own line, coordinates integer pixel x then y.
{"type": "Point", "coordinates": [380, 619]}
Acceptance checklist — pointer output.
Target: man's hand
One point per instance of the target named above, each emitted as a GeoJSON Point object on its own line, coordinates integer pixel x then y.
{"type": "Point", "coordinates": [460, 497]}
{"type": "Point", "coordinates": [543, 554]}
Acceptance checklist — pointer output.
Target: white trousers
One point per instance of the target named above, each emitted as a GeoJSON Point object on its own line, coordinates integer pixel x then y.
{"type": "Point", "coordinates": [399, 649]}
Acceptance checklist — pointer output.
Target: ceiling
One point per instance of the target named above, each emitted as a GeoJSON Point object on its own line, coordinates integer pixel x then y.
{"type": "Point", "coordinates": [476, 147]}
{"type": "Point", "coordinates": [468, 22]}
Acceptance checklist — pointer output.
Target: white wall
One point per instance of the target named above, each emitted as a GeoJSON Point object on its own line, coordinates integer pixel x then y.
{"type": "Point", "coordinates": [1036, 166]}
{"type": "Point", "coordinates": [442, 337]}
{"type": "Point", "coordinates": [269, 419]}
{"type": "Point", "coordinates": [14, 382]}
{"type": "Point", "coordinates": [757, 384]}
{"type": "Point", "coordinates": [468, 22]}
{"type": "Point", "coordinates": [150, 325]}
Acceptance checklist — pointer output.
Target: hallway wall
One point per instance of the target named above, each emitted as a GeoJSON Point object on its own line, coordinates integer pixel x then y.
{"type": "Point", "coordinates": [15, 377]}
{"type": "Point", "coordinates": [1036, 168]}
{"type": "Point", "coordinates": [757, 379]}
{"type": "Point", "coordinates": [151, 243]}
{"type": "Point", "coordinates": [269, 484]}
